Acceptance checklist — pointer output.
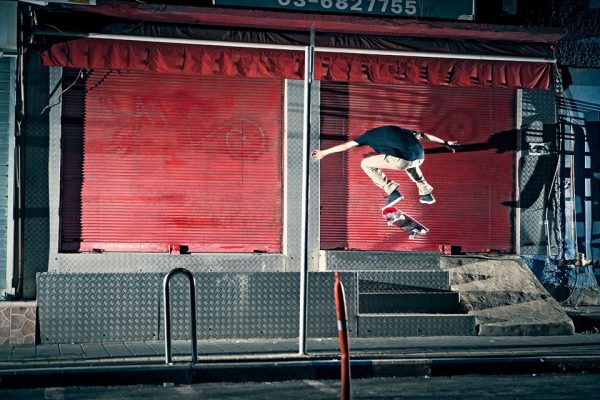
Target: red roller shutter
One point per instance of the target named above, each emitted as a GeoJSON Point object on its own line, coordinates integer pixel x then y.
{"type": "Point", "coordinates": [473, 187]}
{"type": "Point", "coordinates": [174, 160]}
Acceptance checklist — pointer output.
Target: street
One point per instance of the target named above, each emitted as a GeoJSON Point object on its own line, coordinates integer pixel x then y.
{"type": "Point", "coordinates": [558, 386]}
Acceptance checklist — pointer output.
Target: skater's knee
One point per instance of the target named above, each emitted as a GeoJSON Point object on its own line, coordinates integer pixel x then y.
{"type": "Point", "coordinates": [364, 164]}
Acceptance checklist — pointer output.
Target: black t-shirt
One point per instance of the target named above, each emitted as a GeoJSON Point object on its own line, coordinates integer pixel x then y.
{"type": "Point", "coordinates": [393, 141]}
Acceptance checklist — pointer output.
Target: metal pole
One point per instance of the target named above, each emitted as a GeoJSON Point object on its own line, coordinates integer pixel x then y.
{"type": "Point", "coordinates": [487, 57]}
{"type": "Point", "coordinates": [339, 296]}
{"type": "Point", "coordinates": [167, 313]}
{"type": "Point", "coordinates": [309, 52]}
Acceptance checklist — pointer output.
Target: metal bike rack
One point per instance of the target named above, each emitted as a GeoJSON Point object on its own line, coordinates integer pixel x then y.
{"type": "Point", "coordinates": [167, 313]}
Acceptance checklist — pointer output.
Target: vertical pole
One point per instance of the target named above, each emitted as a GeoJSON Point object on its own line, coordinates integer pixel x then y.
{"type": "Point", "coordinates": [309, 52]}
{"type": "Point", "coordinates": [342, 323]}
{"type": "Point", "coordinates": [519, 160]}
{"type": "Point", "coordinates": [167, 318]}
{"type": "Point", "coordinates": [193, 318]}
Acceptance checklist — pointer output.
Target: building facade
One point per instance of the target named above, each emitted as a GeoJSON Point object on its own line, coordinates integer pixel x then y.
{"type": "Point", "coordinates": [158, 136]}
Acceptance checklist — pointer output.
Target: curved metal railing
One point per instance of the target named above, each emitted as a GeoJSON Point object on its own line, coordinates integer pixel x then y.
{"type": "Point", "coordinates": [167, 313]}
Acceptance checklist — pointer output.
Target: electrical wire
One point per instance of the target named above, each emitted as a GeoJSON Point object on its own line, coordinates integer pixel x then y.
{"type": "Point", "coordinates": [58, 101]}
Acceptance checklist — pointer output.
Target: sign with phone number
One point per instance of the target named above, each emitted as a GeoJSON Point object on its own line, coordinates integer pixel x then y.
{"type": "Point", "coordinates": [455, 9]}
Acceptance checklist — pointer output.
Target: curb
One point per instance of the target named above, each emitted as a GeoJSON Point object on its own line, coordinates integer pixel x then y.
{"type": "Point", "coordinates": [289, 370]}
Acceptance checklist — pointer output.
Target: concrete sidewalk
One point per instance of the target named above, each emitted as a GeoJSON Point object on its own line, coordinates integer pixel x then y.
{"type": "Point", "coordinates": [278, 359]}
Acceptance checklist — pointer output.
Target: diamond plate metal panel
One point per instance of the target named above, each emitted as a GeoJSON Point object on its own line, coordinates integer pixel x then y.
{"type": "Point", "coordinates": [293, 172]}
{"type": "Point", "coordinates": [54, 157]}
{"type": "Point", "coordinates": [115, 307]}
{"type": "Point", "coordinates": [380, 260]}
{"type": "Point", "coordinates": [266, 305]}
{"type": "Point", "coordinates": [75, 308]}
{"type": "Point", "coordinates": [406, 301]}
{"type": "Point", "coordinates": [385, 281]}
{"type": "Point", "coordinates": [35, 213]}
{"type": "Point", "coordinates": [238, 305]}
{"type": "Point", "coordinates": [536, 172]}
{"type": "Point", "coordinates": [416, 325]}
{"type": "Point", "coordinates": [155, 262]}
{"type": "Point", "coordinates": [293, 177]}
{"type": "Point", "coordinates": [321, 304]}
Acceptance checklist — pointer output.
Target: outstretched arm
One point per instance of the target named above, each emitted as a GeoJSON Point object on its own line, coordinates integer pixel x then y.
{"type": "Point", "coordinates": [319, 154]}
{"type": "Point", "coordinates": [450, 144]}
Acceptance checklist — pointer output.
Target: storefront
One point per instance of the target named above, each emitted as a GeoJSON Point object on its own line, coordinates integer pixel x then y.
{"type": "Point", "coordinates": [162, 136]}
{"type": "Point", "coordinates": [180, 146]}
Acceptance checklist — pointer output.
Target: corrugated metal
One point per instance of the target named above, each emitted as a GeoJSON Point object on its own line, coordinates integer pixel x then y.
{"type": "Point", "coordinates": [7, 104]}
{"type": "Point", "coordinates": [473, 187]}
{"type": "Point", "coordinates": [176, 160]}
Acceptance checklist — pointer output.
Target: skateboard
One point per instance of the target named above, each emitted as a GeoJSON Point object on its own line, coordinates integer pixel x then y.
{"type": "Point", "coordinates": [402, 220]}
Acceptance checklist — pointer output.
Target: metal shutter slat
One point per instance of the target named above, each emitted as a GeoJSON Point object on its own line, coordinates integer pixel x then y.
{"type": "Point", "coordinates": [175, 159]}
{"type": "Point", "coordinates": [470, 186]}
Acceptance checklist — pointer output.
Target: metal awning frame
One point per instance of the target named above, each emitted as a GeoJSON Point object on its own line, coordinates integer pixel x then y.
{"type": "Point", "coordinates": [317, 49]}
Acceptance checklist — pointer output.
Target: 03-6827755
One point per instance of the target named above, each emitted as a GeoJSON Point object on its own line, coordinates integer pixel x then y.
{"type": "Point", "coordinates": [398, 7]}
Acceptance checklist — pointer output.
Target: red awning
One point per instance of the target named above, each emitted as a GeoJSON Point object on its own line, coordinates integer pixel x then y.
{"type": "Point", "coordinates": [250, 62]}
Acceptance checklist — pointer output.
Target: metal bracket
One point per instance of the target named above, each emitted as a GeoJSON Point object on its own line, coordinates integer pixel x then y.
{"type": "Point", "coordinates": [539, 149]}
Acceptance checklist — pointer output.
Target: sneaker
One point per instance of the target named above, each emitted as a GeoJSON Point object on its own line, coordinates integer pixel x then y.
{"type": "Point", "coordinates": [427, 199]}
{"type": "Point", "coordinates": [393, 198]}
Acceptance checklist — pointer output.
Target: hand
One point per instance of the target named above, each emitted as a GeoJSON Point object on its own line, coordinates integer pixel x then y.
{"type": "Point", "coordinates": [317, 154]}
{"type": "Point", "coordinates": [452, 145]}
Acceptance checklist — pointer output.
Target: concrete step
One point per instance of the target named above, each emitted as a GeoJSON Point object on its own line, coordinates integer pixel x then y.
{"type": "Point", "coordinates": [386, 281]}
{"type": "Point", "coordinates": [391, 325]}
{"type": "Point", "coordinates": [438, 302]}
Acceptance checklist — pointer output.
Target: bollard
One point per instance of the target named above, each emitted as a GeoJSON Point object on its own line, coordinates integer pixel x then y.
{"type": "Point", "coordinates": [340, 312]}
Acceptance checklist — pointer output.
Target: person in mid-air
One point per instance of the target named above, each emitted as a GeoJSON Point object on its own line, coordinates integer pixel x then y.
{"type": "Point", "coordinates": [399, 149]}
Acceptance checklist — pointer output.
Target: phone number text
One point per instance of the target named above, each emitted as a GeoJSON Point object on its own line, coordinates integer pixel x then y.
{"type": "Point", "coordinates": [398, 7]}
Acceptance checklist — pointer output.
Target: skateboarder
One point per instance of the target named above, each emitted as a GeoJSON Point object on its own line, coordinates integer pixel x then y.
{"type": "Point", "coordinates": [399, 149]}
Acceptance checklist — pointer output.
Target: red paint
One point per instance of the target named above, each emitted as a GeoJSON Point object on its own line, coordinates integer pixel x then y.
{"type": "Point", "coordinates": [470, 186]}
{"type": "Point", "coordinates": [174, 160]}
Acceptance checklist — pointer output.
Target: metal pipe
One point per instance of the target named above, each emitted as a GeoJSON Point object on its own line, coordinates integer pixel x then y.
{"type": "Point", "coordinates": [19, 171]}
{"type": "Point", "coordinates": [308, 79]}
{"type": "Point", "coordinates": [294, 47]}
{"type": "Point", "coordinates": [487, 57]}
{"type": "Point", "coordinates": [167, 313]}
{"type": "Point", "coordinates": [158, 39]}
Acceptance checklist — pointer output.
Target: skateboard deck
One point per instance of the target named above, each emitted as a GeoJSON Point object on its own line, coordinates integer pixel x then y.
{"type": "Point", "coordinates": [395, 216]}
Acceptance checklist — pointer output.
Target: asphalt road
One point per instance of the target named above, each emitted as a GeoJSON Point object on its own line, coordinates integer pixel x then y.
{"type": "Point", "coordinates": [559, 386]}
